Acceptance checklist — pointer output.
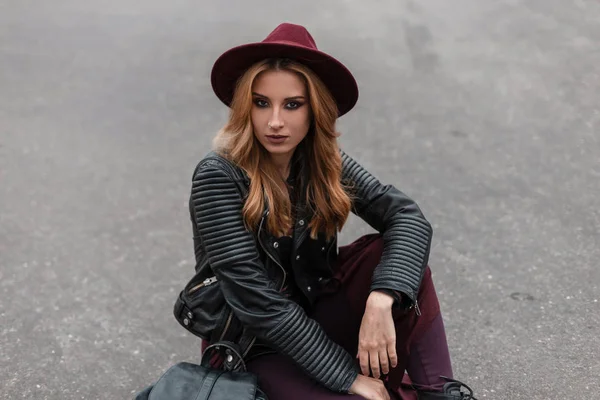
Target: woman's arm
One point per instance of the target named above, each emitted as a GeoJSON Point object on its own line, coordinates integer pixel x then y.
{"type": "Point", "coordinates": [253, 297]}
{"type": "Point", "coordinates": [406, 233]}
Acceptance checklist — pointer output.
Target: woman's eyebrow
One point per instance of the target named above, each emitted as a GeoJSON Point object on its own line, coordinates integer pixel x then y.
{"type": "Point", "coordinates": [287, 98]}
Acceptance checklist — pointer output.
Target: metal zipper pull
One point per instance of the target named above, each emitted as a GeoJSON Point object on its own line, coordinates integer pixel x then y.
{"type": "Point", "coordinates": [204, 283]}
{"type": "Point", "coordinates": [417, 310]}
{"type": "Point", "coordinates": [209, 281]}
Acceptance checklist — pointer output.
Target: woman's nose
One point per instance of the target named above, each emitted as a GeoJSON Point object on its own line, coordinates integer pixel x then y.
{"type": "Point", "coordinates": [275, 122]}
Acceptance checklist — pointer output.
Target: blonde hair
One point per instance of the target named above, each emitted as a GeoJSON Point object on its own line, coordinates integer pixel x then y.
{"type": "Point", "coordinates": [324, 194]}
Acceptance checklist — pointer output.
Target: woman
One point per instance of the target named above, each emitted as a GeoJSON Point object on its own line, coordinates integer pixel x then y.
{"type": "Point", "coordinates": [266, 207]}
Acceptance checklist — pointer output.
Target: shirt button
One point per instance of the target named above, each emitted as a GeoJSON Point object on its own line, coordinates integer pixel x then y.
{"type": "Point", "coordinates": [320, 278]}
{"type": "Point", "coordinates": [309, 288]}
{"type": "Point", "coordinates": [322, 248]}
{"type": "Point", "coordinates": [297, 257]}
{"type": "Point", "coordinates": [301, 222]}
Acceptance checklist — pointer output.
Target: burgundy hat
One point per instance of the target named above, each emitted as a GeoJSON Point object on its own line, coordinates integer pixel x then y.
{"type": "Point", "coordinates": [286, 41]}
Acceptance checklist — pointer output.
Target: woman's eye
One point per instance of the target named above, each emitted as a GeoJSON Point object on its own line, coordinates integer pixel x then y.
{"type": "Point", "coordinates": [292, 105]}
{"type": "Point", "coordinates": [260, 103]}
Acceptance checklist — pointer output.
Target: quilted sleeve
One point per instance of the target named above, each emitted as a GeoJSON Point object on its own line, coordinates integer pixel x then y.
{"type": "Point", "coordinates": [406, 233]}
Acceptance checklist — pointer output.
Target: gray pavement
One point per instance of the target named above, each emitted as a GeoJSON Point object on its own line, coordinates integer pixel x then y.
{"type": "Point", "coordinates": [487, 113]}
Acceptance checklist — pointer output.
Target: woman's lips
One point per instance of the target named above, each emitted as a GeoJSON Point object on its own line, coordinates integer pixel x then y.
{"type": "Point", "coordinates": [276, 139]}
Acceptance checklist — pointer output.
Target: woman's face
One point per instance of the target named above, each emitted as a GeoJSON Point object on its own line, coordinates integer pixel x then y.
{"type": "Point", "coordinates": [280, 111]}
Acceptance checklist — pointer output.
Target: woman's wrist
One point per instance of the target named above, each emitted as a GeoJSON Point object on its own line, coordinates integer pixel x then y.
{"type": "Point", "coordinates": [380, 300]}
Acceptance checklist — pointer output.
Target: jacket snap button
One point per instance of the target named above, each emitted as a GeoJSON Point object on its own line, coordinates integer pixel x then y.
{"type": "Point", "coordinates": [309, 288]}
{"type": "Point", "coordinates": [190, 315]}
{"type": "Point", "coordinates": [322, 248]}
{"type": "Point", "coordinates": [276, 245]}
{"type": "Point", "coordinates": [301, 222]}
{"type": "Point", "coordinates": [320, 278]}
{"type": "Point", "coordinates": [186, 321]}
{"type": "Point", "coordinates": [297, 257]}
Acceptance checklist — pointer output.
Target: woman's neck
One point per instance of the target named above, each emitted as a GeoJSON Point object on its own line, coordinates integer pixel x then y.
{"type": "Point", "coordinates": [282, 163]}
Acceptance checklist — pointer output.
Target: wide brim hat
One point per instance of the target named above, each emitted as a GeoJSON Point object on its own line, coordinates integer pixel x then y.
{"type": "Point", "coordinates": [289, 41]}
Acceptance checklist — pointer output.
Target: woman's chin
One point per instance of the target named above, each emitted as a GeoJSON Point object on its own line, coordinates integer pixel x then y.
{"type": "Point", "coordinates": [278, 149]}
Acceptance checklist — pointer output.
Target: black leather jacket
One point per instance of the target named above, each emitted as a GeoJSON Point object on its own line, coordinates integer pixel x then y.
{"type": "Point", "coordinates": [239, 277]}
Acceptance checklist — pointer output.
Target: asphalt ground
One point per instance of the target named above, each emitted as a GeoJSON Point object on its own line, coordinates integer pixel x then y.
{"type": "Point", "coordinates": [486, 113]}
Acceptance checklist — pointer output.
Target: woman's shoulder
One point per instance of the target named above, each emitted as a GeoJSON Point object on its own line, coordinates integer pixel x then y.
{"type": "Point", "coordinates": [349, 164]}
{"type": "Point", "coordinates": [214, 160]}
{"type": "Point", "coordinates": [346, 158]}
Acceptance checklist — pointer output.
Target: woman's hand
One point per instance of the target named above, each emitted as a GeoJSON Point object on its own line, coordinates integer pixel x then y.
{"type": "Point", "coordinates": [377, 336]}
{"type": "Point", "coordinates": [369, 388]}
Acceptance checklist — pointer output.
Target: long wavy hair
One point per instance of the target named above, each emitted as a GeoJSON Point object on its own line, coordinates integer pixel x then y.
{"type": "Point", "coordinates": [318, 154]}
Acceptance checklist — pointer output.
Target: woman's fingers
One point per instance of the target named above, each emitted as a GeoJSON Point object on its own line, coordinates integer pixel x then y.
{"type": "Point", "coordinates": [391, 351]}
{"type": "Point", "coordinates": [374, 357]}
{"type": "Point", "coordinates": [383, 361]}
{"type": "Point", "coordinates": [377, 362]}
{"type": "Point", "coordinates": [363, 359]}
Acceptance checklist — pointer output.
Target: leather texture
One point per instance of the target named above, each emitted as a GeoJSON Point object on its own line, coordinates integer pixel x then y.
{"type": "Point", "coordinates": [249, 276]}
{"type": "Point", "coordinates": [187, 381]}
{"type": "Point", "coordinates": [406, 233]}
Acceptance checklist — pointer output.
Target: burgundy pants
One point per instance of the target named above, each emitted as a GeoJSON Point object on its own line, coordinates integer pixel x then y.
{"type": "Point", "coordinates": [420, 340]}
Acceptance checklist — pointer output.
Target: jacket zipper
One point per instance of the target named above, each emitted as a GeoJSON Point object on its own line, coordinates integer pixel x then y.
{"type": "Point", "coordinates": [235, 173]}
{"type": "Point", "coordinates": [212, 280]}
{"type": "Point", "coordinates": [275, 261]}
{"type": "Point", "coordinates": [229, 317]}
{"type": "Point", "coordinates": [269, 254]}
{"type": "Point", "coordinates": [249, 347]}
{"type": "Point", "coordinates": [204, 283]}
{"type": "Point", "coordinates": [226, 325]}
{"type": "Point", "coordinates": [417, 310]}
{"type": "Point", "coordinates": [415, 304]}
